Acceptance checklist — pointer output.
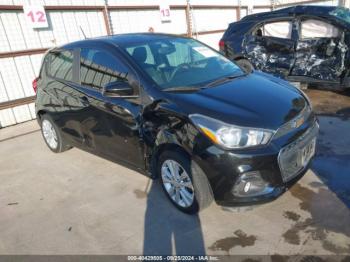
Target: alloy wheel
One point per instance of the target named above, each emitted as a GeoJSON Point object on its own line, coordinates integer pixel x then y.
{"type": "Point", "coordinates": [50, 134]}
{"type": "Point", "coordinates": [177, 183]}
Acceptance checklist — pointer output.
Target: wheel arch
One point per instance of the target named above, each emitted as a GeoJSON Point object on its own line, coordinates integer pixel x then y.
{"type": "Point", "coordinates": [161, 148]}
{"type": "Point", "coordinates": [39, 115]}
{"type": "Point", "coordinates": [240, 57]}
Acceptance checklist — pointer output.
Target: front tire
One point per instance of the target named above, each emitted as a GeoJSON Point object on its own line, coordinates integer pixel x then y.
{"type": "Point", "coordinates": [52, 135]}
{"type": "Point", "coordinates": [184, 182]}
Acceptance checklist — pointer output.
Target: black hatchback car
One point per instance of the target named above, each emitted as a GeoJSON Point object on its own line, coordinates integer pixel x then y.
{"type": "Point", "coordinates": [308, 44]}
{"type": "Point", "coordinates": [171, 107]}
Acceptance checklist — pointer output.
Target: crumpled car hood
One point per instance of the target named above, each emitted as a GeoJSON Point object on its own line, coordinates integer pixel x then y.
{"type": "Point", "coordinates": [256, 100]}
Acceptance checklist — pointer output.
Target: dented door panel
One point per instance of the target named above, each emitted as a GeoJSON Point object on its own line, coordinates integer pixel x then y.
{"type": "Point", "coordinates": [270, 54]}
{"type": "Point", "coordinates": [320, 50]}
{"type": "Point", "coordinates": [321, 58]}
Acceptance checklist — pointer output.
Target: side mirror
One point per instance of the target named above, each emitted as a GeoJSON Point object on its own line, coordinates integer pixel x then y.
{"type": "Point", "coordinates": [118, 89]}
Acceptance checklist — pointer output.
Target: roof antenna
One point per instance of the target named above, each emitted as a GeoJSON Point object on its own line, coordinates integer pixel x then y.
{"type": "Point", "coordinates": [81, 29]}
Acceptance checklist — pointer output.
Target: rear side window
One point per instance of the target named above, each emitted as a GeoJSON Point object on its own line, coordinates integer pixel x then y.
{"type": "Point", "coordinates": [99, 68]}
{"type": "Point", "coordinates": [61, 65]}
{"type": "Point", "coordinates": [313, 28]}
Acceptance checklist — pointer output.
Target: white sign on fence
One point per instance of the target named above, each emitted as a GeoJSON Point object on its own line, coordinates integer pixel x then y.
{"type": "Point", "coordinates": [35, 15]}
{"type": "Point", "coordinates": [164, 10]}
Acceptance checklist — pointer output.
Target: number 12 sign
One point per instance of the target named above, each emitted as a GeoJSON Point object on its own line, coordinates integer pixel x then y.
{"type": "Point", "coordinates": [35, 15]}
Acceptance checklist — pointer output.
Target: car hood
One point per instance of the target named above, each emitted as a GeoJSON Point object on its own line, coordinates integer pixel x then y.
{"type": "Point", "coordinates": [255, 100]}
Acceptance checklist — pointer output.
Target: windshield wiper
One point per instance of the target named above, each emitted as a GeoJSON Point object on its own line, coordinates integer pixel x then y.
{"type": "Point", "coordinates": [196, 88]}
{"type": "Point", "coordinates": [222, 80]}
{"type": "Point", "coordinates": [181, 89]}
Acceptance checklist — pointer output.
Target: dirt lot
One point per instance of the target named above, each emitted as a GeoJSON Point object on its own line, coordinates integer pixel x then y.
{"type": "Point", "coordinates": [330, 103]}
{"type": "Point", "coordinates": [76, 203]}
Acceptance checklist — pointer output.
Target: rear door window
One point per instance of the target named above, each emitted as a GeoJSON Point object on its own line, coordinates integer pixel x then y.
{"type": "Point", "coordinates": [61, 65]}
{"type": "Point", "coordinates": [280, 29]}
{"type": "Point", "coordinates": [314, 28]}
{"type": "Point", "coordinates": [99, 68]}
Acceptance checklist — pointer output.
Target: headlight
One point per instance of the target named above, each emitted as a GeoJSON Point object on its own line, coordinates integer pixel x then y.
{"type": "Point", "coordinates": [230, 136]}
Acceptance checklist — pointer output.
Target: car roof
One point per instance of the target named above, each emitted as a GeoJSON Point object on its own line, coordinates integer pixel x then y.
{"type": "Point", "coordinates": [298, 9]}
{"type": "Point", "coordinates": [122, 39]}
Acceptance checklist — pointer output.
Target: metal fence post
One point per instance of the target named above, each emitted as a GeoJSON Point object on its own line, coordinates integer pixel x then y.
{"type": "Point", "coordinates": [105, 12]}
{"type": "Point", "coordinates": [188, 19]}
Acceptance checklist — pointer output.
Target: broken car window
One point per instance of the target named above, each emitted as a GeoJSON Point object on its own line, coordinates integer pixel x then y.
{"type": "Point", "coordinates": [282, 29]}
{"type": "Point", "coordinates": [313, 28]}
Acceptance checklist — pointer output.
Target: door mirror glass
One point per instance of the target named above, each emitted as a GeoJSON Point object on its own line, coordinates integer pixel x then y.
{"type": "Point", "coordinates": [118, 89]}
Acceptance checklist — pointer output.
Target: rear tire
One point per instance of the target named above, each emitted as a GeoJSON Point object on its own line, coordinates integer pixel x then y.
{"type": "Point", "coordinates": [194, 192]}
{"type": "Point", "coordinates": [245, 65]}
{"type": "Point", "coordinates": [52, 136]}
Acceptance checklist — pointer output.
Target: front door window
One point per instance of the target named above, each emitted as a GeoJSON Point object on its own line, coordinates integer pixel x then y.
{"type": "Point", "coordinates": [270, 47]}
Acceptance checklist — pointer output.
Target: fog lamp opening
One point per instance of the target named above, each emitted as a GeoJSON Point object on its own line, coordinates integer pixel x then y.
{"type": "Point", "coordinates": [251, 184]}
{"type": "Point", "coordinates": [247, 187]}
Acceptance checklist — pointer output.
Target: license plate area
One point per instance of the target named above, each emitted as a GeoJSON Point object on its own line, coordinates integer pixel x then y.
{"type": "Point", "coordinates": [307, 153]}
{"type": "Point", "coordinates": [294, 157]}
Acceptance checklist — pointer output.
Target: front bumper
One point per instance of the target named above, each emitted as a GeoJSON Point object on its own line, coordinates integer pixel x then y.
{"type": "Point", "coordinates": [270, 170]}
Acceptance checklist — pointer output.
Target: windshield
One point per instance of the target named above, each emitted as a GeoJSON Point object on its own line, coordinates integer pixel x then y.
{"type": "Point", "coordinates": [341, 13]}
{"type": "Point", "coordinates": [181, 62]}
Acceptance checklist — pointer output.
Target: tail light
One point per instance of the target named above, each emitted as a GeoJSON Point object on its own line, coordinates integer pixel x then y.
{"type": "Point", "coordinates": [222, 45]}
{"type": "Point", "coordinates": [35, 84]}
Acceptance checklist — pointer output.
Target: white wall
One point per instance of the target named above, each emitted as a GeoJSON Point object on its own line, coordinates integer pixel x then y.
{"type": "Point", "coordinates": [212, 19]}
{"type": "Point", "coordinates": [131, 21]}
{"type": "Point", "coordinates": [17, 73]}
{"type": "Point", "coordinates": [291, 2]}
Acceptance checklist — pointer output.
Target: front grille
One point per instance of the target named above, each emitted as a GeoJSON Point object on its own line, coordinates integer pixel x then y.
{"type": "Point", "coordinates": [290, 158]}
